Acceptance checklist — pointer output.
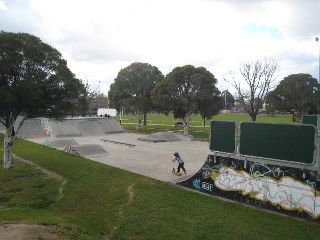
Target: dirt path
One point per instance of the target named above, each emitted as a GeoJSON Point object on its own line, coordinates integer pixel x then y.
{"type": "Point", "coordinates": [45, 171]}
{"type": "Point", "coordinates": [27, 231]}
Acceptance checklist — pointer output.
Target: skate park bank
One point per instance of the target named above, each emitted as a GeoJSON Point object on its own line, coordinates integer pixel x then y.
{"type": "Point", "coordinates": [105, 141]}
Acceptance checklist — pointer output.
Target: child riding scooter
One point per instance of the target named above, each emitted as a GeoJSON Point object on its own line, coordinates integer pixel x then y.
{"type": "Point", "coordinates": [180, 162]}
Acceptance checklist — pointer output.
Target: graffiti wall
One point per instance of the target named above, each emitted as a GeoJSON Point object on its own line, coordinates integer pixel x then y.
{"type": "Point", "coordinates": [292, 191]}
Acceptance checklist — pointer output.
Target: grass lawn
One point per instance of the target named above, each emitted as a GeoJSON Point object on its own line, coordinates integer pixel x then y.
{"type": "Point", "coordinates": [154, 119]}
{"type": "Point", "coordinates": [161, 122]}
{"type": "Point", "coordinates": [98, 200]}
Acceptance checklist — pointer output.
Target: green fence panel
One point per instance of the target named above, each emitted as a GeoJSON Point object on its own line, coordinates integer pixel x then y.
{"type": "Point", "coordinates": [311, 119]}
{"type": "Point", "coordinates": [294, 143]}
{"type": "Point", "coordinates": [222, 136]}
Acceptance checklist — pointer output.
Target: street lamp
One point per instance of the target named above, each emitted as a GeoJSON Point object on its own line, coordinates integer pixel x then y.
{"type": "Point", "coordinates": [225, 99]}
{"type": "Point", "coordinates": [317, 40]}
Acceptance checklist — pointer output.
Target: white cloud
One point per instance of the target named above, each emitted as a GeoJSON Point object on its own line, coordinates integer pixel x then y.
{"type": "Point", "coordinates": [98, 37]}
{"type": "Point", "coordinates": [3, 5]}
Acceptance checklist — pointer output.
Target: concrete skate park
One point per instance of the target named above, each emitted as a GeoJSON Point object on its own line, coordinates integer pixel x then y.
{"type": "Point", "coordinates": [273, 166]}
{"type": "Point", "coordinates": [105, 141]}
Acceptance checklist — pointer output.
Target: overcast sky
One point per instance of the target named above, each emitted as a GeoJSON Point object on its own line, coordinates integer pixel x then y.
{"type": "Point", "coordinates": [100, 37]}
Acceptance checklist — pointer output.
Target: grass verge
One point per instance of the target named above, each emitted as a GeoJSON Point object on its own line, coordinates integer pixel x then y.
{"type": "Point", "coordinates": [197, 121]}
{"type": "Point", "coordinates": [161, 122]}
{"type": "Point", "coordinates": [102, 201]}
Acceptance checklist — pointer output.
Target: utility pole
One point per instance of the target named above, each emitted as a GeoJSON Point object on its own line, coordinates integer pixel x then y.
{"type": "Point", "coordinates": [317, 40]}
{"type": "Point", "coordinates": [225, 100]}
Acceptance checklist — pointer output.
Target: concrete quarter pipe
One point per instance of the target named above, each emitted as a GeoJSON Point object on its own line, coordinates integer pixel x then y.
{"type": "Point", "coordinates": [70, 127]}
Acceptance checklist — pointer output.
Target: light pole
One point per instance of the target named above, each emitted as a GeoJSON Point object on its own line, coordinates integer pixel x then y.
{"type": "Point", "coordinates": [317, 40]}
{"type": "Point", "coordinates": [225, 99]}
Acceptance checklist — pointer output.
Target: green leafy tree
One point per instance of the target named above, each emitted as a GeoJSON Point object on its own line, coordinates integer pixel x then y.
{"type": "Point", "coordinates": [209, 105]}
{"type": "Point", "coordinates": [132, 89]}
{"type": "Point", "coordinates": [186, 91]}
{"type": "Point", "coordinates": [256, 83]}
{"type": "Point", "coordinates": [296, 93]}
{"type": "Point", "coordinates": [34, 82]}
{"type": "Point", "coordinates": [209, 102]}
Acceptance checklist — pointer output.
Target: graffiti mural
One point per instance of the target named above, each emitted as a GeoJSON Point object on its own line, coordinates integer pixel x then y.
{"type": "Point", "coordinates": [46, 128]}
{"type": "Point", "coordinates": [71, 150]}
{"type": "Point", "coordinates": [290, 190]}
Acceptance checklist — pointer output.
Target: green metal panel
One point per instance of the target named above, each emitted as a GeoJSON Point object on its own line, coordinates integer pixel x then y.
{"type": "Point", "coordinates": [222, 136]}
{"type": "Point", "coordinates": [295, 143]}
{"type": "Point", "coordinates": [311, 119]}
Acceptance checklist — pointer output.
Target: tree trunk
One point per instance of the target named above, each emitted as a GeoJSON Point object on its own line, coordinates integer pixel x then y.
{"type": "Point", "coordinates": [186, 122]}
{"type": "Point", "coordinates": [138, 120]}
{"type": "Point", "coordinates": [185, 127]}
{"type": "Point", "coordinates": [297, 117]}
{"type": "Point", "coordinates": [253, 117]}
{"type": "Point", "coordinates": [8, 142]}
{"type": "Point", "coordinates": [10, 136]}
{"type": "Point", "coordinates": [145, 118]}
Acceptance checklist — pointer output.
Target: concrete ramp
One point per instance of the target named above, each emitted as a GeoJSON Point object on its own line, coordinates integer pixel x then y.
{"type": "Point", "coordinates": [166, 137]}
{"type": "Point", "coordinates": [90, 127]}
{"type": "Point", "coordinates": [65, 129]}
{"type": "Point", "coordinates": [71, 127]}
{"type": "Point", "coordinates": [61, 143]}
{"type": "Point", "coordinates": [90, 150]}
{"type": "Point", "coordinates": [110, 125]}
{"type": "Point", "coordinates": [31, 128]}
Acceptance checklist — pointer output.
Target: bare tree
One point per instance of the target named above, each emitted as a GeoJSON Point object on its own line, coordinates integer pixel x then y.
{"type": "Point", "coordinates": [91, 100]}
{"type": "Point", "coordinates": [258, 77]}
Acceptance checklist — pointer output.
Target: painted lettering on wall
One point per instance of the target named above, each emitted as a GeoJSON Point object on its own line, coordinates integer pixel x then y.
{"type": "Point", "coordinates": [286, 192]}
{"type": "Point", "coordinates": [207, 186]}
{"type": "Point", "coordinates": [281, 188]}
